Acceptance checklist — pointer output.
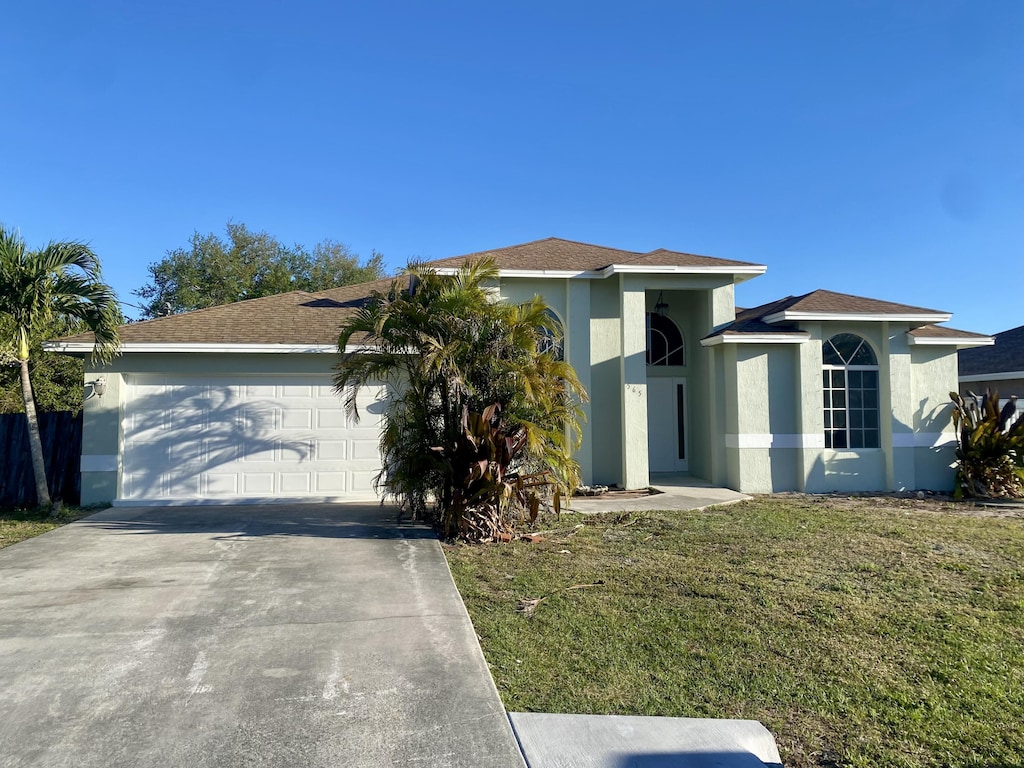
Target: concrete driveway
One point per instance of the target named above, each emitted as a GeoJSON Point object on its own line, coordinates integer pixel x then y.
{"type": "Point", "coordinates": [301, 635]}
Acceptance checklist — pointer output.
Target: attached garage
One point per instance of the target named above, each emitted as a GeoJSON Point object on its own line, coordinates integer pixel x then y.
{"type": "Point", "coordinates": [248, 438]}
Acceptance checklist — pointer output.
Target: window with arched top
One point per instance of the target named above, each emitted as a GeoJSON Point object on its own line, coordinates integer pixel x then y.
{"type": "Point", "coordinates": [850, 390]}
{"type": "Point", "coordinates": [552, 339]}
{"type": "Point", "coordinates": [665, 344]}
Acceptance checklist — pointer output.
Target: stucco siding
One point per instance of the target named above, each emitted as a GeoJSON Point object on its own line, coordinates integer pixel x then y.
{"type": "Point", "coordinates": [605, 378]}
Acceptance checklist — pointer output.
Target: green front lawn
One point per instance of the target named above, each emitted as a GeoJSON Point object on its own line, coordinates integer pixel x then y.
{"type": "Point", "coordinates": [860, 632]}
{"type": "Point", "coordinates": [20, 524]}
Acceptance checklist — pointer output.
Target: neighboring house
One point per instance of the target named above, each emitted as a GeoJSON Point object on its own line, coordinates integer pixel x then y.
{"type": "Point", "coordinates": [818, 392]}
{"type": "Point", "coordinates": [999, 367]}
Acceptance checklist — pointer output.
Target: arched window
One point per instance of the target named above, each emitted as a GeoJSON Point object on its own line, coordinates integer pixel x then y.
{"type": "Point", "coordinates": [552, 339]}
{"type": "Point", "coordinates": [850, 381]}
{"type": "Point", "coordinates": [664, 341]}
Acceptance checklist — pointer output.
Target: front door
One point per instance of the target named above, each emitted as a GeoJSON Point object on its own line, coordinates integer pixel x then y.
{"type": "Point", "coordinates": [666, 425]}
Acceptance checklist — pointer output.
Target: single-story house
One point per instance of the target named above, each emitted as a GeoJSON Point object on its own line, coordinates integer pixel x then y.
{"type": "Point", "coordinates": [819, 392]}
{"type": "Point", "coordinates": [999, 367]}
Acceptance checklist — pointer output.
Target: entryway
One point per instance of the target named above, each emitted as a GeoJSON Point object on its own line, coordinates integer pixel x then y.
{"type": "Point", "coordinates": [667, 448]}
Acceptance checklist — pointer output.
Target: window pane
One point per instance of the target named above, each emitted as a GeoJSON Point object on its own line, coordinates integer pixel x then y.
{"type": "Point", "coordinates": [838, 399]}
{"type": "Point", "coordinates": [826, 398]}
{"type": "Point", "coordinates": [856, 418]}
{"type": "Point", "coordinates": [829, 356]}
{"type": "Point", "coordinates": [856, 398]}
{"type": "Point", "coordinates": [870, 379]}
{"type": "Point", "coordinates": [828, 438]}
{"type": "Point", "coordinates": [870, 438]}
{"type": "Point", "coordinates": [871, 418]}
{"type": "Point", "coordinates": [828, 419]}
{"type": "Point", "coordinates": [839, 419]}
{"type": "Point", "coordinates": [846, 344]}
{"type": "Point", "coordinates": [839, 379]}
{"type": "Point", "coordinates": [826, 379]}
{"type": "Point", "coordinates": [856, 379]}
{"type": "Point", "coordinates": [856, 438]}
{"type": "Point", "coordinates": [864, 356]}
{"type": "Point", "coordinates": [839, 439]}
{"type": "Point", "coordinates": [870, 398]}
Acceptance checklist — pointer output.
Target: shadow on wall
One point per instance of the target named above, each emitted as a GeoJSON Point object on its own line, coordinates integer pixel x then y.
{"type": "Point", "coordinates": [187, 431]}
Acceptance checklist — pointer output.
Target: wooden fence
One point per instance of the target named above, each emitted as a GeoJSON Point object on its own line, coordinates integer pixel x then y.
{"type": "Point", "coordinates": [62, 447]}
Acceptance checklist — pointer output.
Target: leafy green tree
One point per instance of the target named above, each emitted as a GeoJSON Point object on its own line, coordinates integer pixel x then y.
{"type": "Point", "coordinates": [247, 265]}
{"type": "Point", "coordinates": [465, 372]}
{"type": "Point", "coordinates": [38, 289]}
{"type": "Point", "coordinates": [56, 379]}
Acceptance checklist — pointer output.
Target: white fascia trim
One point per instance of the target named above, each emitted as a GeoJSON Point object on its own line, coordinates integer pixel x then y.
{"type": "Point", "coordinates": [994, 376]}
{"type": "Point", "coordinates": [755, 269]}
{"type": "Point", "coordinates": [549, 273]}
{"type": "Point", "coordinates": [949, 341]}
{"type": "Point", "coordinates": [922, 439]}
{"type": "Point", "coordinates": [79, 347]}
{"type": "Point", "coordinates": [774, 441]}
{"type": "Point", "coordinates": [870, 317]}
{"type": "Point", "coordinates": [756, 338]}
{"type": "Point", "coordinates": [613, 269]}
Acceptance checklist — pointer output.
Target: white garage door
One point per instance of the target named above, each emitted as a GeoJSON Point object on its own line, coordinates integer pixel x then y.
{"type": "Point", "coordinates": [247, 438]}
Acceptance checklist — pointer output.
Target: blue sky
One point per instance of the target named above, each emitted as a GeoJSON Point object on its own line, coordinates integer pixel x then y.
{"type": "Point", "coordinates": [875, 148]}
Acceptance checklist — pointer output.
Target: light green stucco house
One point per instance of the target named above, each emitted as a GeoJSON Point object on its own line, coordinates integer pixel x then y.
{"type": "Point", "coordinates": [814, 393]}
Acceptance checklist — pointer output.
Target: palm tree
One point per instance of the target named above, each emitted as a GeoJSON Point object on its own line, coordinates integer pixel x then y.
{"type": "Point", "coordinates": [448, 350]}
{"type": "Point", "coordinates": [60, 281]}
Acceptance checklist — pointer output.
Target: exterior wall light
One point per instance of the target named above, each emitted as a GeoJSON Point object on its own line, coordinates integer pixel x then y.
{"type": "Point", "coordinates": [661, 308]}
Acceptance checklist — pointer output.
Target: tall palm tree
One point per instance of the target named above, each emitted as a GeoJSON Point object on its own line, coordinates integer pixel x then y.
{"type": "Point", "coordinates": [448, 348]}
{"type": "Point", "coordinates": [62, 280]}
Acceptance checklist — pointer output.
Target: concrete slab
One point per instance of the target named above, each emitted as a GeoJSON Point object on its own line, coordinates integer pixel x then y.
{"type": "Point", "coordinates": [307, 635]}
{"type": "Point", "coordinates": [674, 492]}
{"type": "Point", "coordinates": [606, 741]}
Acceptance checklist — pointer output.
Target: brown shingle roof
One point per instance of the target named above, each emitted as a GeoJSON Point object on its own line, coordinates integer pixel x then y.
{"type": "Point", "coordinates": [553, 253]}
{"type": "Point", "coordinates": [296, 317]}
{"type": "Point", "coordinates": [1006, 355]}
{"type": "Point", "coordinates": [844, 303]}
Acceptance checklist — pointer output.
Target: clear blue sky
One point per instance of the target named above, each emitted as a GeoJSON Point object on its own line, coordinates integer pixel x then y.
{"type": "Point", "coordinates": [869, 147]}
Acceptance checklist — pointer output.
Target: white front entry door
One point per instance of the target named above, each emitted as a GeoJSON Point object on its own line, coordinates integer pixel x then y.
{"type": "Point", "coordinates": [666, 425]}
{"type": "Point", "coordinates": [246, 438]}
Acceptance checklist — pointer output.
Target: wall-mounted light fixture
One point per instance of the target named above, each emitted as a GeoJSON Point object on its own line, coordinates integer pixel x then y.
{"type": "Point", "coordinates": [661, 308]}
{"type": "Point", "coordinates": [97, 387]}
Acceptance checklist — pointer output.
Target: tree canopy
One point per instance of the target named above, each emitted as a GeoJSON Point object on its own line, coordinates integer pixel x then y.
{"type": "Point", "coordinates": [247, 265]}
{"type": "Point", "coordinates": [39, 291]}
{"type": "Point", "coordinates": [479, 399]}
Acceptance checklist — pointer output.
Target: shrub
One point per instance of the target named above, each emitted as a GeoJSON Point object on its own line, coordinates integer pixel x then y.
{"type": "Point", "coordinates": [990, 447]}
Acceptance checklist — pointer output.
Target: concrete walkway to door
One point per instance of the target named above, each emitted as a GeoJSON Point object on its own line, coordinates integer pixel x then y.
{"type": "Point", "coordinates": [196, 637]}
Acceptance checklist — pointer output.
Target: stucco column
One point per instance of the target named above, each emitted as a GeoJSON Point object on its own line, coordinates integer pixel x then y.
{"type": "Point", "coordinates": [577, 354]}
{"type": "Point", "coordinates": [633, 309]}
{"type": "Point", "coordinates": [810, 413]}
{"type": "Point", "coordinates": [896, 395]}
{"type": "Point", "coordinates": [719, 376]}
{"type": "Point", "coordinates": [101, 437]}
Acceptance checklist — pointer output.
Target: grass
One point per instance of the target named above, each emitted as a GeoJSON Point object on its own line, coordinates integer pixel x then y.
{"type": "Point", "coordinates": [860, 634]}
{"type": "Point", "coordinates": [19, 524]}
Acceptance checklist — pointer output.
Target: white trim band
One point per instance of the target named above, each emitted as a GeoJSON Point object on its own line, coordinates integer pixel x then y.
{"type": "Point", "coordinates": [99, 463]}
{"type": "Point", "coordinates": [961, 342]}
{"type": "Point", "coordinates": [756, 338]}
{"type": "Point", "coordinates": [217, 348]}
{"type": "Point", "coordinates": [922, 439]}
{"type": "Point", "coordinates": [763, 441]}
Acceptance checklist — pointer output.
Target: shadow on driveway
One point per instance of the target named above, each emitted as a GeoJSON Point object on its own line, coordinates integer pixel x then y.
{"type": "Point", "coordinates": [225, 522]}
